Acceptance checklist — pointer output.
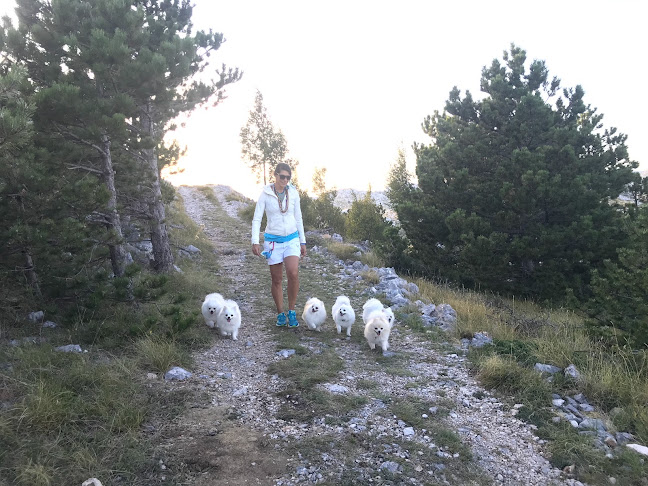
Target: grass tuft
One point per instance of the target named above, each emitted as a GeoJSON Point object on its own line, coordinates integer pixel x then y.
{"type": "Point", "coordinates": [343, 251]}
{"type": "Point", "coordinates": [159, 354]}
{"type": "Point", "coordinates": [371, 277]}
{"type": "Point", "coordinates": [371, 259]}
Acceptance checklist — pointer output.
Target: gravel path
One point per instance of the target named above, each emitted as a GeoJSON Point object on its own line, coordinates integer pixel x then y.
{"type": "Point", "coordinates": [232, 435]}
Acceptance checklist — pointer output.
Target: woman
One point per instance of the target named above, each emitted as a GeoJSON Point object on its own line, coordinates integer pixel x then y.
{"type": "Point", "coordinates": [284, 239]}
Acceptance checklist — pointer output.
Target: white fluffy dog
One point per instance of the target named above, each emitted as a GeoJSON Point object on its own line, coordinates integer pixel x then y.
{"type": "Point", "coordinates": [211, 307]}
{"type": "Point", "coordinates": [377, 331]}
{"type": "Point", "coordinates": [343, 314]}
{"type": "Point", "coordinates": [314, 314]}
{"type": "Point", "coordinates": [374, 305]}
{"type": "Point", "coordinates": [228, 319]}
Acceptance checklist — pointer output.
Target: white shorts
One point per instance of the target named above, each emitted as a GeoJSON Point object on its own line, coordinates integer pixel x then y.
{"type": "Point", "coordinates": [279, 251]}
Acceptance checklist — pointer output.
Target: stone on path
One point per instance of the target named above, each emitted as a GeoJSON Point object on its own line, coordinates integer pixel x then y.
{"type": "Point", "coordinates": [177, 373]}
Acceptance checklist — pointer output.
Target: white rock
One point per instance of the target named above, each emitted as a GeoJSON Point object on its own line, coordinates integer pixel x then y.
{"type": "Point", "coordinates": [91, 482]}
{"type": "Point", "coordinates": [69, 348]}
{"type": "Point", "coordinates": [546, 368]}
{"type": "Point", "coordinates": [408, 431]}
{"type": "Point", "coordinates": [36, 316]}
{"type": "Point", "coordinates": [643, 450]}
{"type": "Point", "coordinates": [177, 373]}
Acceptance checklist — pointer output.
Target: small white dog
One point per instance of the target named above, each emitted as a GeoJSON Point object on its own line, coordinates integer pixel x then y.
{"type": "Point", "coordinates": [314, 314]}
{"type": "Point", "coordinates": [211, 307]}
{"type": "Point", "coordinates": [228, 319]}
{"type": "Point", "coordinates": [343, 314]}
{"type": "Point", "coordinates": [374, 305]}
{"type": "Point", "coordinates": [377, 331]}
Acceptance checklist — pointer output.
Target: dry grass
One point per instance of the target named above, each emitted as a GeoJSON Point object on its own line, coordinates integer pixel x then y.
{"type": "Point", "coordinates": [371, 277]}
{"type": "Point", "coordinates": [473, 312]}
{"type": "Point", "coordinates": [208, 191]}
{"type": "Point", "coordinates": [343, 251]}
{"type": "Point", "coordinates": [159, 354]}
{"type": "Point", "coordinates": [370, 258]}
{"type": "Point", "coordinates": [237, 196]}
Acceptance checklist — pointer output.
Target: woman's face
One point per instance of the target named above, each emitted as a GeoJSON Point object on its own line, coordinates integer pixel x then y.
{"type": "Point", "coordinates": [281, 180]}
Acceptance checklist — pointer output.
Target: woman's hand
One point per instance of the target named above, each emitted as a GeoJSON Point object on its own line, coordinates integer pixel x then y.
{"type": "Point", "coordinates": [256, 249]}
{"type": "Point", "coordinates": [303, 250]}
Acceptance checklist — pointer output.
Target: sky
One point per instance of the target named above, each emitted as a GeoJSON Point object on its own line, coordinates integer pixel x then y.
{"type": "Point", "coordinates": [350, 82]}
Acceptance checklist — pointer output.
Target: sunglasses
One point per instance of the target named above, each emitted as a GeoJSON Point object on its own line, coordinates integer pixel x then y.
{"type": "Point", "coordinates": [283, 177]}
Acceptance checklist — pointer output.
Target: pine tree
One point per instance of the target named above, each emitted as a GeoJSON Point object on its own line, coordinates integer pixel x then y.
{"type": "Point", "coordinates": [619, 307]}
{"type": "Point", "coordinates": [516, 189]}
{"type": "Point", "coordinates": [366, 220]}
{"type": "Point", "coordinates": [162, 81]}
{"type": "Point", "coordinates": [262, 145]}
{"type": "Point", "coordinates": [73, 63]}
{"type": "Point", "coordinates": [399, 182]}
{"type": "Point", "coordinates": [44, 208]}
{"type": "Point", "coordinates": [16, 130]}
{"type": "Point", "coordinates": [141, 59]}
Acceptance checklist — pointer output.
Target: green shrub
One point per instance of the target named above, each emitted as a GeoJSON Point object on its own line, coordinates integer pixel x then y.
{"type": "Point", "coordinates": [366, 220]}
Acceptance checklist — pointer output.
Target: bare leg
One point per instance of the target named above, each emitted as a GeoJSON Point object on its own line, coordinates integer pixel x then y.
{"type": "Point", "coordinates": [276, 274]}
{"type": "Point", "coordinates": [292, 272]}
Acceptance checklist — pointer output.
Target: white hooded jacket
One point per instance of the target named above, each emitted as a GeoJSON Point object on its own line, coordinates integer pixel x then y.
{"type": "Point", "coordinates": [279, 224]}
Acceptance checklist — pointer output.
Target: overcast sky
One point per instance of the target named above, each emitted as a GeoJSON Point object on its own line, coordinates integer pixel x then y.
{"type": "Point", "coordinates": [349, 82]}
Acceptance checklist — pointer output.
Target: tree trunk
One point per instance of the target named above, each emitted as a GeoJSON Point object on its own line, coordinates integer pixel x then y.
{"type": "Point", "coordinates": [30, 269]}
{"type": "Point", "coordinates": [117, 250]}
{"type": "Point", "coordinates": [31, 275]}
{"type": "Point", "coordinates": [162, 256]}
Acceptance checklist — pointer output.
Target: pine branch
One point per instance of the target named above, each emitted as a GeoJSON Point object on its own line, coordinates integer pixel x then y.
{"type": "Point", "coordinates": [83, 167]}
{"type": "Point", "coordinates": [79, 139]}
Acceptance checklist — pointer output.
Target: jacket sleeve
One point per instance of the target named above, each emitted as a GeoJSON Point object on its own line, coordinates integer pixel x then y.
{"type": "Point", "coordinates": [256, 220]}
{"type": "Point", "coordinates": [298, 218]}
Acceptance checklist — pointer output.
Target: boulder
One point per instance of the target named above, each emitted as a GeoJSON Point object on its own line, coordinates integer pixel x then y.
{"type": "Point", "coordinates": [643, 450]}
{"type": "Point", "coordinates": [546, 368]}
{"type": "Point", "coordinates": [35, 316]}
{"type": "Point", "coordinates": [177, 373]}
{"type": "Point", "coordinates": [572, 372]}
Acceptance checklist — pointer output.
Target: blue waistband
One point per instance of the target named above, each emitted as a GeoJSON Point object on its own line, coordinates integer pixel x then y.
{"type": "Point", "coordinates": [280, 239]}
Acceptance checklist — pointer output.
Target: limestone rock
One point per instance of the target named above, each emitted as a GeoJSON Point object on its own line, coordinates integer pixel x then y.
{"type": "Point", "coordinates": [643, 450]}
{"type": "Point", "coordinates": [177, 373]}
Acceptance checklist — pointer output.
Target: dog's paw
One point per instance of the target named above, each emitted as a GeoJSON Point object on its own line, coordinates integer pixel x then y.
{"type": "Point", "coordinates": [210, 324]}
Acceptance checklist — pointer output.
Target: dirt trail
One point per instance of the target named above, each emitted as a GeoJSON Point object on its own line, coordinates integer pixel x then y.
{"type": "Point", "coordinates": [417, 417]}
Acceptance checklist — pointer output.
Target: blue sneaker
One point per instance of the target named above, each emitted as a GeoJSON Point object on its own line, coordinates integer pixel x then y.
{"type": "Point", "coordinates": [292, 319]}
{"type": "Point", "coordinates": [281, 320]}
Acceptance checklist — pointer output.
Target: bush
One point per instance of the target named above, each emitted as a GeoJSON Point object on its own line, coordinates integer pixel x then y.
{"type": "Point", "coordinates": [321, 213]}
{"type": "Point", "coordinates": [393, 250]}
{"type": "Point", "coordinates": [366, 220]}
{"type": "Point", "coordinates": [619, 308]}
